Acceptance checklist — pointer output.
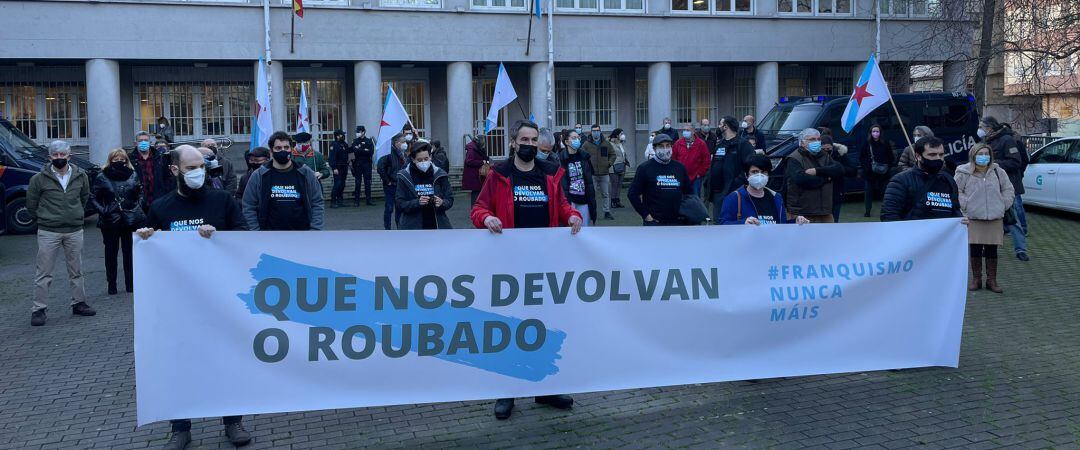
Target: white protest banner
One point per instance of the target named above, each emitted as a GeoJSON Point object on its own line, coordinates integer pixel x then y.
{"type": "Point", "coordinates": [262, 322]}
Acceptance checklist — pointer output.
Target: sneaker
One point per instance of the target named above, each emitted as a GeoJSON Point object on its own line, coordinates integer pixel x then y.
{"type": "Point", "coordinates": [237, 435]}
{"type": "Point", "coordinates": [82, 309]}
{"type": "Point", "coordinates": [1023, 256]}
{"type": "Point", "coordinates": [503, 408]}
{"type": "Point", "coordinates": [556, 401]}
{"type": "Point", "coordinates": [37, 318]}
{"type": "Point", "coordinates": [178, 441]}
{"type": "Point", "coordinates": [608, 216]}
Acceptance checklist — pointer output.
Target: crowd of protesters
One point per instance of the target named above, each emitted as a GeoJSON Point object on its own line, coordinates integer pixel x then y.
{"type": "Point", "coordinates": [566, 178]}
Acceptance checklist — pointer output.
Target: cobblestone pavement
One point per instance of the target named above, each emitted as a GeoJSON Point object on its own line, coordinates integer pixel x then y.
{"type": "Point", "coordinates": [70, 384]}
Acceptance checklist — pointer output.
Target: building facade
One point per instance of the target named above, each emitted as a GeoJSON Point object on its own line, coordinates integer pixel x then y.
{"type": "Point", "coordinates": [97, 72]}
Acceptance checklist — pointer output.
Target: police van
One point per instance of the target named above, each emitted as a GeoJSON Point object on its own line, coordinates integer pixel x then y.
{"type": "Point", "coordinates": [951, 116]}
{"type": "Point", "coordinates": [20, 159]}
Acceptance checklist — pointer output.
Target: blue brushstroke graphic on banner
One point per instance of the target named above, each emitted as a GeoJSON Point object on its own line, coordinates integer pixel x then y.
{"type": "Point", "coordinates": [513, 362]}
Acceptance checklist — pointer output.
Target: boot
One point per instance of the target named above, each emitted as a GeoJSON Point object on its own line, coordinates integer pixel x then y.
{"type": "Point", "coordinates": [112, 288]}
{"type": "Point", "coordinates": [237, 435]}
{"type": "Point", "coordinates": [556, 401]}
{"type": "Point", "coordinates": [178, 441]}
{"type": "Point", "coordinates": [976, 274]}
{"type": "Point", "coordinates": [991, 276]}
{"type": "Point", "coordinates": [503, 408]}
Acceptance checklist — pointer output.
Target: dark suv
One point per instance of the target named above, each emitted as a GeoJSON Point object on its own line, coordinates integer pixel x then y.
{"type": "Point", "coordinates": [20, 159]}
{"type": "Point", "coordinates": [951, 116]}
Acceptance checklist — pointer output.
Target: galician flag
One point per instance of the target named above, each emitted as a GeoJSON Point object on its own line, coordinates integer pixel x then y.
{"type": "Point", "coordinates": [303, 122]}
{"type": "Point", "coordinates": [263, 125]}
{"type": "Point", "coordinates": [870, 92]}
{"type": "Point", "coordinates": [504, 94]}
{"type": "Point", "coordinates": [393, 120]}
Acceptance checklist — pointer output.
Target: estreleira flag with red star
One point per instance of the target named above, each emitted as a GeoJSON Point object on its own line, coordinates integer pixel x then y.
{"type": "Point", "coordinates": [870, 92]}
{"type": "Point", "coordinates": [393, 120]}
{"type": "Point", "coordinates": [298, 8]}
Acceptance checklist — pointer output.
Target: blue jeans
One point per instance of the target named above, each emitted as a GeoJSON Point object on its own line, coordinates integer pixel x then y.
{"type": "Point", "coordinates": [390, 208]}
{"type": "Point", "coordinates": [1015, 230]}
{"type": "Point", "coordinates": [1021, 215]}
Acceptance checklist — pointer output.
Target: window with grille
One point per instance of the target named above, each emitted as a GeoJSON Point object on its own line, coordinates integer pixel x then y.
{"type": "Point", "coordinates": [816, 7]}
{"type": "Point", "coordinates": [413, 96]}
{"type": "Point", "coordinates": [324, 99]}
{"type": "Point", "coordinates": [585, 100]}
{"type": "Point", "coordinates": [46, 111]}
{"type": "Point", "coordinates": [745, 92]}
{"type": "Point", "coordinates": [196, 110]}
{"type": "Point", "coordinates": [794, 81]}
{"type": "Point", "coordinates": [909, 8]}
{"type": "Point", "coordinates": [495, 140]}
{"type": "Point", "coordinates": [412, 3]}
{"type": "Point", "coordinates": [732, 6]}
{"type": "Point", "coordinates": [600, 5]}
{"type": "Point", "coordinates": [518, 5]}
{"type": "Point", "coordinates": [694, 99]}
{"type": "Point", "coordinates": [641, 103]}
{"type": "Point", "coordinates": [838, 80]}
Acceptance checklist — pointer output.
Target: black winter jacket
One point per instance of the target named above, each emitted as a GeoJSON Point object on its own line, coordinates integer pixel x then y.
{"type": "Point", "coordinates": [1007, 155]}
{"type": "Point", "coordinates": [915, 195]}
{"type": "Point", "coordinates": [412, 216]}
{"type": "Point", "coordinates": [118, 200]}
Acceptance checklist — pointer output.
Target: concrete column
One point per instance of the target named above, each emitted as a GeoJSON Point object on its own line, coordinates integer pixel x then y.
{"type": "Point", "coordinates": [659, 94]}
{"type": "Point", "coordinates": [276, 73]}
{"type": "Point", "coordinates": [767, 84]}
{"type": "Point", "coordinates": [103, 108]}
{"type": "Point", "coordinates": [954, 76]}
{"type": "Point", "coordinates": [367, 79]}
{"type": "Point", "coordinates": [459, 110]}
{"type": "Point", "coordinates": [538, 93]}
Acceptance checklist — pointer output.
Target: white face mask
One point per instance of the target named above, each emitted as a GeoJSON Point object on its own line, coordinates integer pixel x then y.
{"type": "Point", "coordinates": [664, 154]}
{"type": "Point", "coordinates": [424, 166]}
{"type": "Point", "coordinates": [758, 180]}
{"type": "Point", "coordinates": [743, 124]}
{"type": "Point", "coordinates": [651, 139]}
{"type": "Point", "coordinates": [622, 137]}
{"type": "Point", "coordinates": [358, 135]}
{"type": "Point", "coordinates": [981, 133]}
{"type": "Point", "coordinates": [667, 125]}
{"type": "Point", "coordinates": [403, 146]}
{"type": "Point", "coordinates": [195, 178]}
{"type": "Point", "coordinates": [408, 137]}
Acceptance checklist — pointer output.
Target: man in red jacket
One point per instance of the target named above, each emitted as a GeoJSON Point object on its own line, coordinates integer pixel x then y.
{"type": "Point", "coordinates": [525, 193]}
{"type": "Point", "coordinates": [522, 192]}
{"type": "Point", "coordinates": [694, 154]}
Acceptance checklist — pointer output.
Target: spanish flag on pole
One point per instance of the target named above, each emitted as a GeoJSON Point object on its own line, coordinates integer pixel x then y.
{"type": "Point", "coordinates": [298, 8]}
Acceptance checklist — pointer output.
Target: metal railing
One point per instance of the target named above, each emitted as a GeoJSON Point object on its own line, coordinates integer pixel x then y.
{"type": "Point", "coordinates": [1037, 141]}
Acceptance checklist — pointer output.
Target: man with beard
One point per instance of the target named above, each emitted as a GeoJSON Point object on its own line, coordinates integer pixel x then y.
{"type": "Point", "coordinates": [195, 207]}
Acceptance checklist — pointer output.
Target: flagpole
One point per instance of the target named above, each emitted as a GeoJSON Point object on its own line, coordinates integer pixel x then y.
{"type": "Point", "coordinates": [528, 38]}
{"type": "Point", "coordinates": [292, 31]}
{"type": "Point", "coordinates": [901, 120]}
{"type": "Point", "coordinates": [266, 29]}
{"type": "Point", "coordinates": [551, 67]}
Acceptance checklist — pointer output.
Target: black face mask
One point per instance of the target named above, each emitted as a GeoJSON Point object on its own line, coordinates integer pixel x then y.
{"type": "Point", "coordinates": [932, 166]}
{"type": "Point", "coordinates": [282, 157]}
{"type": "Point", "coordinates": [118, 165]}
{"type": "Point", "coordinates": [526, 153]}
{"type": "Point", "coordinates": [59, 163]}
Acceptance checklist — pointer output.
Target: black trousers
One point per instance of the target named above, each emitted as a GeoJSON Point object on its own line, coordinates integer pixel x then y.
{"type": "Point", "coordinates": [115, 239]}
{"type": "Point", "coordinates": [181, 425]}
{"type": "Point", "coordinates": [362, 173]}
{"type": "Point", "coordinates": [338, 191]}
